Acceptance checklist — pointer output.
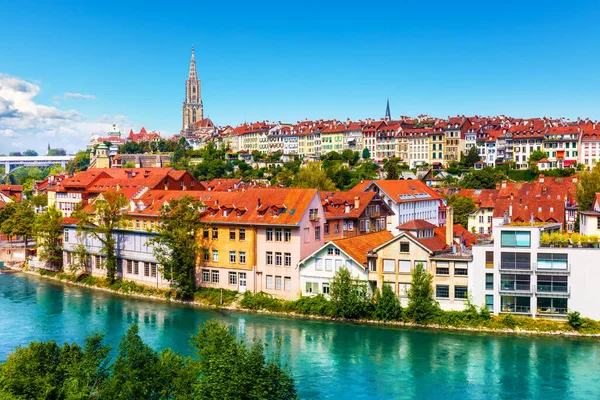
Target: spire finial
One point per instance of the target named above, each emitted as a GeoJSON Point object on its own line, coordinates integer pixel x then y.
{"type": "Point", "coordinates": [192, 51]}
{"type": "Point", "coordinates": [387, 110]}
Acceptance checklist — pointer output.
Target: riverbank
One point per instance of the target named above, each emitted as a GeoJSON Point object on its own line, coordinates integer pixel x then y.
{"type": "Point", "coordinates": [316, 308]}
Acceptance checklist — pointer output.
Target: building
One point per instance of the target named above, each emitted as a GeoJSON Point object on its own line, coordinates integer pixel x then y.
{"type": "Point", "coordinates": [408, 199]}
{"type": "Point", "coordinates": [349, 214]}
{"type": "Point", "coordinates": [143, 136]}
{"type": "Point", "coordinates": [589, 223]}
{"type": "Point", "coordinates": [589, 153]}
{"type": "Point", "coordinates": [318, 269]}
{"type": "Point", "coordinates": [517, 274]}
{"type": "Point", "coordinates": [192, 108]}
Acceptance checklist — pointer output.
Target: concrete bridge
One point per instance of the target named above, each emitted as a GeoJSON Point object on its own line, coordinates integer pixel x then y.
{"type": "Point", "coordinates": [33, 161]}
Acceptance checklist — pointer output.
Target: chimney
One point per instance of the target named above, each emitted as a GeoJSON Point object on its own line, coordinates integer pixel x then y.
{"type": "Point", "coordinates": [541, 179]}
{"type": "Point", "coordinates": [449, 225]}
{"type": "Point", "coordinates": [510, 210]}
{"type": "Point", "coordinates": [503, 184]}
{"type": "Point", "coordinates": [356, 202]}
{"type": "Point", "coordinates": [259, 202]}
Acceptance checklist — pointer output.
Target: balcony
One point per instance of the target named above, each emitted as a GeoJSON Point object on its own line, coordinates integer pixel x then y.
{"type": "Point", "coordinates": [552, 311]}
{"type": "Point", "coordinates": [553, 269]}
{"type": "Point", "coordinates": [552, 290]}
{"type": "Point", "coordinates": [515, 287]}
{"type": "Point", "coordinates": [514, 309]}
{"type": "Point", "coordinates": [515, 267]}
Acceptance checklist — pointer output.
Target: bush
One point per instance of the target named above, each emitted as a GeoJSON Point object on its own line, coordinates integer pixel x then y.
{"type": "Point", "coordinates": [317, 305]}
{"type": "Point", "coordinates": [261, 301]}
{"type": "Point", "coordinates": [422, 308]}
{"type": "Point", "coordinates": [575, 320]}
{"type": "Point", "coordinates": [387, 306]}
{"type": "Point", "coordinates": [214, 296]}
{"type": "Point", "coordinates": [509, 321]}
{"type": "Point", "coordinates": [349, 297]}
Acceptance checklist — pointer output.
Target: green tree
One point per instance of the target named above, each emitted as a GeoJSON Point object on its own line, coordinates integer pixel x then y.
{"type": "Point", "coordinates": [485, 178]}
{"type": "Point", "coordinates": [471, 158]}
{"type": "Point", "coordinates": [589, 185]}
{"type": "Point", "coordinates": [366, 154]}
{"type": "Point", "coordinates": [30, 153]}
{"type": "Point", "coordinates": [47, 229]}
{"type": "Point", "coordinates": [421, 305]}
{"type": "Point", "coordinates": [129, 164]}
{"type": "Point", "coordinates": [229, 370]}
{"type": "Point", "coordinates": [313, 177]}
{"type": "Point", "coordinates": [17, 219]}
{"type": "Point", "coordinates": [135, 370]}
{"type": "Point", "coordinates": [391, 169]}
{"type": "Point", "coordinates": [176, 245]}
{"type": "Point", "coordinates": [57, 152]}
{"type": "Point", "coordinates": [537, 155]}
{"type": "Point", "coordinates": [463, 206]}
{"type": "Point", "coordinates": [108, 215]}
{"type": "Point", "coordinates": [80, 163]}
{"type": "Point", "coordinates": [388, 306]}
{"type": "Point", "coordinates": [349, 297]}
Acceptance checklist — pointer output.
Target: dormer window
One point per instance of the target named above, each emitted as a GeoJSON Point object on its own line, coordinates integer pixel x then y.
{"type": "Point", "coordinates": [225, 212]}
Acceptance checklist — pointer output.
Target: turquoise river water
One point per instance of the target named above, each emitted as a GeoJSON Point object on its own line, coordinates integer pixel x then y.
{"type": "Point", "coordinates": [328, 359]}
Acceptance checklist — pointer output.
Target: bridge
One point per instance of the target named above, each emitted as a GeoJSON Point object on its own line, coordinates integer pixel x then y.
{"type": "Point", "coordinates": [33, 161]}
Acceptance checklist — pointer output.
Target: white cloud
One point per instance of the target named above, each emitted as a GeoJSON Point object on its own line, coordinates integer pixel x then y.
{"type": "Point", "coordinates": [79, 96]}
{"type": "Point", "coordinates": [23, 120]}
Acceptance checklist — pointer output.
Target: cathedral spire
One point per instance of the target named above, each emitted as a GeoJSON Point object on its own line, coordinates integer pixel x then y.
{"type": "Point", "coordinates": [388, 115]}
{"type": "Point", "coordinates": [192, 74]}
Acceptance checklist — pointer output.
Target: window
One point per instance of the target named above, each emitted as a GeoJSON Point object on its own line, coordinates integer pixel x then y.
{"type": "Point", "coordinates": [205, 275]}
{"type": "Point", "coordinates": [489, 302]}
{"type": "Point", "coordinates": [552, 283]}
{"type": "Point", "coordinates": [306, 235]}
{"type": "Point", "coordinates": [205, 233]}
{"type": "Point", "coordinates": [515, 282]}
{"type": "Point", "coordinates": [215, 255]}
{"type": "Point", "coordinates": [278, 234]}
{"type": "Point", "coordinates": [515, 239]}
{"type": "Point", "coordinates": [269, 281]}
{"type": "Point", "coordinates": [404, 247]}
{"type": "Point", "coordinates": [215, 233]}
{"type": "Point", "coordinates": [129, 264]}
{"type": "Point", "coordinates": [287, 283]}
{"type": "Point", "coordinates": [328, 264]}
{"type": "Point", "coordinates": [269, 234]}
{"type": "Point", "coordinates": [337, 252]}
{"type": "Point", "coordinates": [404, 266]}
{"type": "Point", "coordinates": [442, 268]}
{"type": "Point", "coordinates": [325, 287]}
{"type": "Point", "coordinates": [460, 292]}
{"type": "Point", "coordinates": [66, 235]}
{"type": "Point", "coordinates": [388, 266]}
{"type": "Point", "coordinates": [242, 234]}
{"type": "Point", "coordinates": [269, 258]}
{"type": "Point", "coordinates": [242, 257]}
{"type": "Point", "coordinates": [153, 270]}
{"type": "Point", "coordinates": [312, 287]}
{"type": "Point", "coordinates": [548, 305]}
{"type": "Point", "coordinates": [442, 291]}
{"type": "Point", "coordinates": [552, 261]}
{"type": "Point", "coordinates": [232, 257]}
{"type": "Point", "coordinates": [515, 304]}
{"type": "Point", "coordinates": [330, 251]}
{"type": "Point", "coordinates": [336, 227]}
{"type": "Point", "coordinates": [277, 283]}
{"type": "Point", "coordinates": [481, 219]}
{"type": "Point", "coordinates": [287, 235]}
{"type": "Point", "coordinates": [319, 264]}
{"type": "Point", "coordinates": [326, 228]}
{"type": "Point", "coordinates": [146, 269]}
{"type": "Point", "coordinates": [278, 259]}
{"type": "Point", "coordinates": [231, 234]}
{"type": "Point", "coordinates": [233, 278]}
{"type": "Point", "coordinates": [515, 261]}
{"type": "Point", "coordinates": [215, 276]}
{"type": "Point", "coordinates": [317, 233]}
{"type": "Point", "coordinates": [489, 281]}
{"type": "Point", "coordinates": [136, 268]}
{"type": "Point", "coordinates": [403, 289]}
{"type": "Point", "coordinates": [489, 259]}
{"type": "Point", "coordinates": [205, 256]}
{"type": "Point", "coordinates": [460, 269]}
{"type": "Point", "coordinates": [287, 259]}
{"type": "Point", "coordinates": [350, 225]}
{"type": "Point", "coordinates": [118, 260]}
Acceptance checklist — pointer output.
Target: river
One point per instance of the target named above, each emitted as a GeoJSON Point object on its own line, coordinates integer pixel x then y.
{"type": "Point", "coordinates": [328, 359]}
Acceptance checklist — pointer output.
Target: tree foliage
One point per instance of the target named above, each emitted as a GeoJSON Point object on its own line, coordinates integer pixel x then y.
{"type": "Point", "coordinates": [80, 163]}
{"type": "Point", "coordinates": [366, 154]}
{"type": "Point", "coordinates": [387, 305]}
{"type": "Point", "coordinates": [589, 185]}
{"type": "Point", "coordinates": [463, 206]}
{"type": "Point", "coordinates": [222, 368]}
{"type": "Point", "coordinates": [350, 297]}
{"type": "Point", "coordinates": [485, 178]}
{"type": "Point", "coordinates": [421, 305]}
{"type": "Point", "coordinates": [47, 229]}
{"type": "Point", "coordinates": [17, 219]}
{"type": "Point", "coordinates": [537, 155]}
{"type": "Point", "coordinates": [176, 245]}
{"type": "Point", "coordinates": [313, 177]}
{"type": "Point", "coordinates": [108, 215]}
{"type": "Point", "coordinates": [471, 158]}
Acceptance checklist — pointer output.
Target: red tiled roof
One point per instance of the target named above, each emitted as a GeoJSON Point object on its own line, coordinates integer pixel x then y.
{"type": "Point", "coordinates": [401, 191]}
{"type": "Point", "coordinates": [358, 246]}
{"type": "Point", "coordinates": [416, 224]}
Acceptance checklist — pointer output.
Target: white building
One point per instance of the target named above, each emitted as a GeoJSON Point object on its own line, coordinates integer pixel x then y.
{"type": "Point", "coordinates": [409, 199]}
{"type": "Point", "coordinates": [589, 222]}
{"type": "Point", "coordinates": [516, 274]}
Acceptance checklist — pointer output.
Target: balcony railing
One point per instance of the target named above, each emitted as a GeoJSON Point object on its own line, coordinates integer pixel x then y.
{"type": "Point", "coordinates": [514, 266]}
{"type": "Point", "coordinates": [552, 289]}
{"type": "Point", "coordinates": [515, 287]}
{"type": "Point", "coordinates": [515, 309]}
{"type": "Point", "coordinates": [552, 311]}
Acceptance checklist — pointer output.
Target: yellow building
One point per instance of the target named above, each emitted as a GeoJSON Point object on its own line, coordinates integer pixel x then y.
{"type": "Point", "coordinates": [436, 141]}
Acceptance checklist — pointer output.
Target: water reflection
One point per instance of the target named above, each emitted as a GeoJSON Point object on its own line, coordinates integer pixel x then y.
{"type": "Point", "coordinates": [328, 360]}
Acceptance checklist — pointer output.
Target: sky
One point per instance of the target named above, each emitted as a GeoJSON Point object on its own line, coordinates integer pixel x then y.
{"type": "Point", "coordinates": [71, 68]}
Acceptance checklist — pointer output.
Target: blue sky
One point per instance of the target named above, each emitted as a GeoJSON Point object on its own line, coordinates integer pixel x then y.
{"type": "Point", "coordinates": [289, 61]}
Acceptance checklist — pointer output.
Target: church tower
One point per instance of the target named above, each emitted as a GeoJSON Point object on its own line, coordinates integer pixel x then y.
{"type": "Point", "coordinates": [192, 105]}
